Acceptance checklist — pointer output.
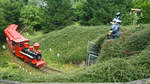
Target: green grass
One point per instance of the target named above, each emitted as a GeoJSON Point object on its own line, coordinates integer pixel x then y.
{"type": "Point", "coordinates": [70, 43]}
{"type": "Point", "coordinates": [121, 60]}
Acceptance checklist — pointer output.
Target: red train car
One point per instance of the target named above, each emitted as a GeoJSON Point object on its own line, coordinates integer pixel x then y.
{"type": "Point", "coordinates": [20, 46]}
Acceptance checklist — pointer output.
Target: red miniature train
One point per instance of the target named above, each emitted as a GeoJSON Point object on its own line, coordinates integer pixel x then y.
{"type": "Point", "coordinates": [21, 48]}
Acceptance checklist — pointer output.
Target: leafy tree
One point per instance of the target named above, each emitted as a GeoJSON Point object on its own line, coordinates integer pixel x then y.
{"type": "Point", "coordinates": [9, 14]}
{"type": "Point", "coordinates": [12, 10]}
{"type": "Point", "coordinates": [95, 12]}
{"type": "Point", "coordinates": [77, 8]}
{"type": "Point", "coordinates": [31, 16]}
{"type": "Point", "coordinates": [58, 13]}
{"type": "Point", "coordinates": [26, 1]}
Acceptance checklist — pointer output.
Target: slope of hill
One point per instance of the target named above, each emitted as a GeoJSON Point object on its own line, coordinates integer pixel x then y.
{"type": "Point", "coordinates": [120, 60]}
{"type": "Point", "coordinates": [70, 43]}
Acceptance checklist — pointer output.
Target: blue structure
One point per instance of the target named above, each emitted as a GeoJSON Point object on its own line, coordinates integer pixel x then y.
{"type": "Point", "coordinates": [115, 28]}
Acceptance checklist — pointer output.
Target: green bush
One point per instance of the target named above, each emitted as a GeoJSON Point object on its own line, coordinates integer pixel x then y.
{"type": "Point", "coordinates": [127, 19]}
{"type": "Point", "coordinates": [126, 45]}
{"type": "Point", "coordinates": [114, 70]}
{"type": "Point", "coordinates": [11, 76]}
{"type": "Point", "coordinates": [31, 16]}
{"type": "Point", "coordinates": [138, 41]}
{"type": "Point", "coordinates": [145, 6]}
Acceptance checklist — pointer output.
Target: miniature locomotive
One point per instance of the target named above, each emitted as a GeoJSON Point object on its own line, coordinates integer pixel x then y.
{"type": "Point", "coordinates": [20, 47]}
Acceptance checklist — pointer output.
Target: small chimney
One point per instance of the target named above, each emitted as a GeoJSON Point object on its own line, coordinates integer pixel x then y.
{"type": "Point", "coordinates": [36, 46]}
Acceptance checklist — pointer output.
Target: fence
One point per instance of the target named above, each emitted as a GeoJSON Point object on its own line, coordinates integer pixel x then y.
{"type": "Point", "coordinates": [92, 53]}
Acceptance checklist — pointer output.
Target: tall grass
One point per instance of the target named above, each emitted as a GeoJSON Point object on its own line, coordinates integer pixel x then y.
{"type": "Point", "coordinates": [70, 43]}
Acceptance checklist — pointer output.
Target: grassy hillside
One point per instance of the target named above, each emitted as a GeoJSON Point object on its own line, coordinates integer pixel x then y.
{"type": "Point", "coordinates": [123, 59]}
{"type": "Point", "coordinates": [70, 43]}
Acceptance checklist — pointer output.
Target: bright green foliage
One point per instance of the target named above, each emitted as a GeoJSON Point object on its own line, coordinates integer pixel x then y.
{"type": "Point", "coordinates": [127, 19]}
{"type": "Point", "coordinates": [95, 12]}
{"type": "Point", "coordinates": [58, 13]}
{"type": "Point", "coordinates": [77, 7]}
{"type": "Point", "coordinates": [32, 17]}
{"type": "Point", "coordinates": [145, 6]}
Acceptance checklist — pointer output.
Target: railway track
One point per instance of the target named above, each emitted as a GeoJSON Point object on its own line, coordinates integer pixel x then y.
{"type": "Point", "coordinates": [46, 69]}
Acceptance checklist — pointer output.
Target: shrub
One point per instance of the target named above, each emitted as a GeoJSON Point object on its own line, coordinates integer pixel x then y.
{"type": "Point", "coordinates": [114, 70]}
{"type": "Point", "coordinates": [126, 45]}
{"type": "Point", "coordinates": [31, 16]}
{"type": "Point", "coordinates": [138, 41]}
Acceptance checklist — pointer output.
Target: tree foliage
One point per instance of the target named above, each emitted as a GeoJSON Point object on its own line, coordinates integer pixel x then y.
{"type": "Point", "coordinates": [2, 22]}
{"type": "Point", "coordinates": [95, 12]}
{"type": "Point", "coordinates": [58, 13]}
{"type": "Point", "coordinates": [31, 16]}
{"type": "Point", "coordinates": [9, 13]}
{"type": "Point", "coordinates": [50, 15]}
{"type": "Point", "coordinates": [12, 10]}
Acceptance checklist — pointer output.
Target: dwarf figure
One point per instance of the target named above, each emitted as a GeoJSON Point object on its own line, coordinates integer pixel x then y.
{"type": "Point", "coordinates": [115, 28]}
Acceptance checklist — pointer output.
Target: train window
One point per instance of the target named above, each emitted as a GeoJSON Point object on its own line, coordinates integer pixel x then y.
{"type": "Point", "coordinates": [27, 42]}
{"type": "Point", "coordinates": [13, 43]}
{"type": "Point", "coordinates": [21, 44]}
